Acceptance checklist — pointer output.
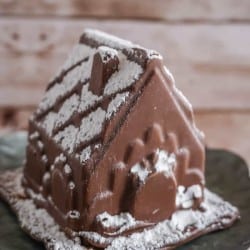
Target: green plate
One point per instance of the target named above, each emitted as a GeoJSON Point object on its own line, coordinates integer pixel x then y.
{"type": "Point", "coordinates": [226, 175]}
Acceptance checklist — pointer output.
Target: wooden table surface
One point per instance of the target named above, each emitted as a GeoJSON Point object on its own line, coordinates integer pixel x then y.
{"type": "Point", "coordinates": [205, 43]}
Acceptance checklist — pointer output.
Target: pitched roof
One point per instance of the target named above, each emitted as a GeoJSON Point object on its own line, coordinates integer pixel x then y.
{"type": "Point", "coordinates": [71, 112]}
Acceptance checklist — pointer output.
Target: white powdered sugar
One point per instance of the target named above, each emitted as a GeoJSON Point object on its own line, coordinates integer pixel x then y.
{"type": "Point", "coordinates": [127, 74]}
{"type": "Point", "coordinates": [67, 138]}
{"type": "Point", "coordinates": [108, 40]}
{"type": "Point", "coordinates": [121, 221]}
{"type": "Point", "coordinates": [35, 196]}
{"type": "Point", "coordinates": [181, 219]}
{"type": "Point", "coordinates": [88, 99]}
{"type": "Point", "coordinates": [153, 55]}
{"type": "Point", "coordinates": [216, 214]}
{"type": "Point", "coordinates": [140, 171]}
{"type": "Point", "coordinates": [79, 74]}
{"type": "Point", "coordinates": [40, 145]}
{"type": "Point", "coordinates": [36, 221]}
{"type": "Point", "coordinates": [34, 135]}
{"type": "Point", "coordinates": [46, 177]}
{"type": "Point", "coordinates": [169, 74]}
{"type": "Point", "coordinates": [107, 53]}
{"type": "Point", "coordinates": [91, 125]}
{"type": "Point", "coordinates": [85, 154]}
{"type": "Point", "coordinates": [45, 158]}
{"type": "Point", "coordinates": [78, 53]}
{"type": "Point", "coordinates": [103, 195]}
{"type": "Point", "coordinates": [71, 185]}
{"type": "Point", "coordinates": [165, 163]}
{"type": "Point", "coordinates": [73, 214]}
{"type": "Point", "coordinates": [67, 169]}
{"type": "Point", "coordinates": [97, 146]}
{"type": "Point", "coordinates": [185, 197]}
{"type": "Point", "coordinates": [183, 98]}
{"type": "Point", "coordinates": [116, 103]}
{"type": "Point", "coordinates": [118, 43]}
{"type": "Point", "coordinates": [175, 230]}
{"type": "Point", "coordinates": [61, 158]}
{"type": "Point", "coordinates": [85, 70]}
{"type": "Point", "coordinates": [66, 111]}
{"type": "Point", "coordinates": [48, 122]}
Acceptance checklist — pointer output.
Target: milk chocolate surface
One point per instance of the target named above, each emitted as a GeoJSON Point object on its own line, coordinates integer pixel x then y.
{"type": "Point", "coordinates": [113, 136]}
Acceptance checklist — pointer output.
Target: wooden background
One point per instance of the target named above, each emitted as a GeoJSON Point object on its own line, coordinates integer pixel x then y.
{"type": "Point", "coordinates": [205, 43]}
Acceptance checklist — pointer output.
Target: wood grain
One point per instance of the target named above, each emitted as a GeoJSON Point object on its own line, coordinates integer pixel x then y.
{"type": "Point", "coordinates": [211, 63]}
{"type": "Point", "coordinates": [170, 10]}
{"type": "Point", "coordinates": [228, 130]}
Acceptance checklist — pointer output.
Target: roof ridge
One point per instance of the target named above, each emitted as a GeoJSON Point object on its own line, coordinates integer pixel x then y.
{"type": "Point", "coordinates": [134, 52]}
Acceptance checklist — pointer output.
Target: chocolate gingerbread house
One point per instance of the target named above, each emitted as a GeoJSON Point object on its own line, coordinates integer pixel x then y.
{"type": "Point", "coordinates": [113, 139]}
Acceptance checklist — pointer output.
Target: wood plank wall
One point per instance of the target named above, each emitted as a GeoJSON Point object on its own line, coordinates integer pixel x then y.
{"type": "Point", "coordinates": [205, 43]}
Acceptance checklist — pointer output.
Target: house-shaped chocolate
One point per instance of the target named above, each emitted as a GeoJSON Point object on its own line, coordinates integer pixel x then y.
{"type": "Point", "coordinates": [113, 136]}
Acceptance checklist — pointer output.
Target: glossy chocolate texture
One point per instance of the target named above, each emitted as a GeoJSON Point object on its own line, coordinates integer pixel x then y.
{"type": "Point", "coordinates": [88, 173]}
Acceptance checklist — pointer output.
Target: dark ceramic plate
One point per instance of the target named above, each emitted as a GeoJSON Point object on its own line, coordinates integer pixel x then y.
{"type": "Point", "coordinates": [226, 175]}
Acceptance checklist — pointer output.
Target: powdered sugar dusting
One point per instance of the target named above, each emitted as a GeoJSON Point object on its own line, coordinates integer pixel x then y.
{"type": "Point", "coordinates": [165, 163]}
{"type": "Point", "coordinates": [116, 103]}
{"type": "Point", "coordinates": [108, 40]}
{"type": "Point", "coordinates": [107, 53]}
{"type": "Point", "coordinates": [121, 222]}
{"type": "Point", "coordinates": [40, 145]}
{"type": "Point", "coordinates": [67, 169]}
{"type": "Point", "coordinates": [78, 53]}
{"type": "Point", "coordinates": [140, 171]}
{"type": "Point", "coordinates": [103, 195]}
{"type": "Point", "coordinates": [175, 230]}
{"type": "Point", "coordinates": [48, 122]}
{"type": "Point", "coordinates": [34, 135]}
{"type": "Point", "coordinates": [73, 214]}
{"type": "Point", "coordinates": [85, 154]}
{"type": "Point", "coordinates": [217, 214]}
{"type": "Point", "coordinates": [79, 74]}
{"type": "Point", "coordinates": [67, 110]}
{"type": "Point", "coordinates": [118, 43]}
{"type": "Point", "coordinates": [67, 138]}
{"type": "Point", "coordinates": [34, 220]}
{"type": "Point", "coordinates": [61, 158]}
{"type": "Point", "coordinates": [126, 75]}
{"type": "Point", "coordinates": [87, 98]}
{"type": "Point", "coordinates": [91, 125]}
{"type": "Point", "coordinates": [185, 197]}
{"type": "Point", "coordinates": [45, 158]}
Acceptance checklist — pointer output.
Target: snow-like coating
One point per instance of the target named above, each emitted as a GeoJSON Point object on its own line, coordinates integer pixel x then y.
{"type": "Point", "coordinates": [185, 197]}
{"type": "Point", "coordinates": [40, 224]}
{"type": "Point", "coordinates": [116, 103]}
{"type": "Point", "coordinates": [88, 99]}
{"type": "Point", "coordinates": [78, 53]}
{"type": "Point", "coordinates": [114, 221]}
{"type": "Point", "coordinates": [91, 125]}
{"type": "Point", "coordinates": [107, 53]}
{"type": "Point", "coordinates": [117, 43]}
{"type": "Point", "coordinates": [140, 171]}
{"type": "Point", "coordinates": [165, 163]}
{"type": "Point", "coordinates": [126, 75]}
{"type": "Point", "coordinates": [48, 123]}
{"type": "Point", "coordinates": [85, 154]}
{"type": "Point", "coordinates": [67, 109]}
{"type": "Point", "coordinates": [67, 137]}
{"type": "Point", "coordinates": [67, 169]}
